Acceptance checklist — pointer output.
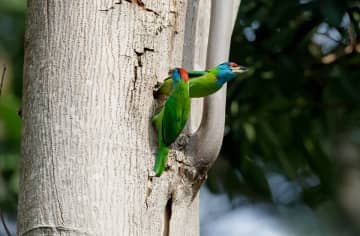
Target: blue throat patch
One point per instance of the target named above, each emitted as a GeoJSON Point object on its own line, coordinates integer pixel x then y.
{"type": "Point", "coordinates": [224, 76]}
{"type": "Point", "coordinates": [176, 75]}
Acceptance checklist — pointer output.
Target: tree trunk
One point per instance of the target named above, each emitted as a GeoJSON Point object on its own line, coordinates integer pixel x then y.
{"type": "Point", "coordinates": [88, 147]}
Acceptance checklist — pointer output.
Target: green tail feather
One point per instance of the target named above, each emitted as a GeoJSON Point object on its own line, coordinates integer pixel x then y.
{"type": "Point", "coordinates": [161, 160]}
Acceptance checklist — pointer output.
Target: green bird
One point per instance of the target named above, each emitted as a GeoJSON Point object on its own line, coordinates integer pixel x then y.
{"type": "Point", "coordinates": [173, 117]}
{"type": "Point", "coordinates": [204, 83]}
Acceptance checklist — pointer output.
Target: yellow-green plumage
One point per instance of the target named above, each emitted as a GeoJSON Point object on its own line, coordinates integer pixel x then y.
{"type": "Point", "coordinates": [172, 118]}
{"type": "Point", "coordinates": [201, 84]}
{"type": "Point", "coordinates": [204, 83]}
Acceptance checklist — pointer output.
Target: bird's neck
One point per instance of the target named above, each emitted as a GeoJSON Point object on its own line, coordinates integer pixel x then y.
{"type": "Point", "coordinates": [176, 83]}
{"type": "Point", "coordinates": [223, 77]}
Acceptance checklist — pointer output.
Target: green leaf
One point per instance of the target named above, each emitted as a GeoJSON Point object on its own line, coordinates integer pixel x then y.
{"type": "Point", "coordinates": [13, 6]}
{"type": "Point", "coordinates": [9, 118]}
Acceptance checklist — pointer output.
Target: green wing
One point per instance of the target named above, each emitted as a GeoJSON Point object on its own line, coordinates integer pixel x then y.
{"type": "Point", "coordinates": [196, 73]}
{"type": "Point", "coordinates": [203, 86]}
{"type": "Point", "coordinates": [157, 120]}
{"type": "Point", "coordinates": [176, 113]}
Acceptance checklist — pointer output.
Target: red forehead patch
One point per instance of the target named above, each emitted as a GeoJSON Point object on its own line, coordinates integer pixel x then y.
{"type": "Point", "coordinates": [184, 75]}
{"type": "Point", "coordinates": [234, 64]}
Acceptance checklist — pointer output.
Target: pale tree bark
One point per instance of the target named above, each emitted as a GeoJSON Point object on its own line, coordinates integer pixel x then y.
{"type": "Point", "coordinates": [88, 147]}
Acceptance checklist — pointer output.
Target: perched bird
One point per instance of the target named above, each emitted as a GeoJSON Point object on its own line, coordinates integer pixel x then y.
{"type": "Point", "coordinates": [204, 83]}
{"type": "Point", "coordinates": [173, 117]}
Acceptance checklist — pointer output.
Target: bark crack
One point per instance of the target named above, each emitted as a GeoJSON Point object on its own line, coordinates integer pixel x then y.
{"type": "Point", "coordinates": [167, 216]}
{"type": "Point", "coordinates": [47, 21]}
{"type": "Point", "coordinates": [56, 228]}
{"type": "Point", "coordinates": [107, 9]}
{"type": "Point", "coordinates": [138, 57]}
{"type": "Point", "coordinates": [135, 77]}
{"type": "Point", "coordinates": [152, 11]}
{"type": "Point", "coordinates": [111, 7]}
{"type": "Point", "coordinates": [149, 188]}
{"type": "Point", "coordinates": [141, 53]}
{"type": "Point", "coordinates": [162, 27]}
{"type": "Point", "coordinates": [147, 49]}
{"type": "Point", "coordinates": [56, 192]}
{"type": "Point", "coordinates": [141, 4]}
{"type": "Point", "coordinates": [138, 65]}
{"type": "Point", "coordinates": [134, 81]}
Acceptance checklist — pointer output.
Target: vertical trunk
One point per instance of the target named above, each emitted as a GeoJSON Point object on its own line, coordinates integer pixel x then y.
{"type": "Point", "coordinates": [88, 146]}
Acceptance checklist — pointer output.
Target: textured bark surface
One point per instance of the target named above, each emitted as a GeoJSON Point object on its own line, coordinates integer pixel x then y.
{"type": "Point", "coordinates": [204, 145]}
{"type": "Point", "coordinates": [195, 49]}
{"type": "Point", "coordinates": [88, 147]}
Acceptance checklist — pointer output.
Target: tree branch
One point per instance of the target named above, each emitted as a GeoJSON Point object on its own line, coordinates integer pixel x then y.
{"type": "Point", "coordinates": [2, 79]}
{"type": "Point", "coordinates": [206, 142]}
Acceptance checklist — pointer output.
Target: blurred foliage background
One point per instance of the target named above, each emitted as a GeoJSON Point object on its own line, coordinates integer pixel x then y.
{"type": "Point", "coordinates": [12, 26]}
{"type": "Point", "coordinates": [301, 93]}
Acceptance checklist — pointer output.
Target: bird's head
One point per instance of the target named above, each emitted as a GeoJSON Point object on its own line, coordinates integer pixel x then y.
{"type": "Point", "coordinates": [227, 71]}
{"type": "Point", "coordinates": [180, 73]}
